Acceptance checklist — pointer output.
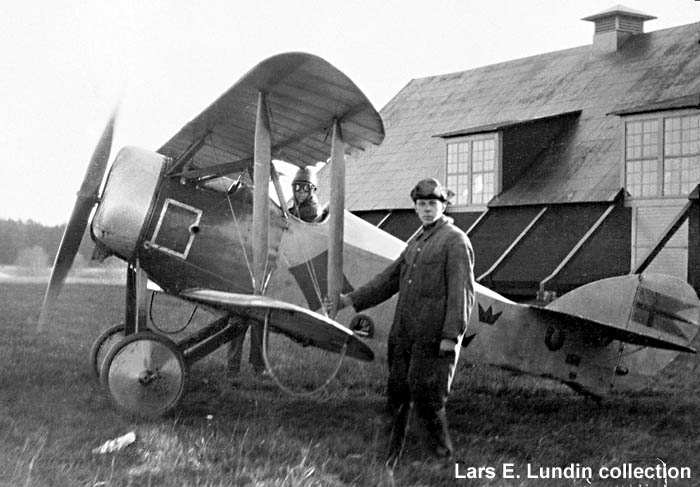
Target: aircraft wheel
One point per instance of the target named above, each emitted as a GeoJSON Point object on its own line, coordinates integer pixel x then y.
{"type": "Point", "coordinates": [144, 374]}
{"type": "Point", "coordinates": [103, 344]}
{"type": "Point", "coordinates": [362, 325]}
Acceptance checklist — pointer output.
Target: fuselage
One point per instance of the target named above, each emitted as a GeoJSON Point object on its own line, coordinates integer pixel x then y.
{"type": "Point", "coordinates": [187, 235]}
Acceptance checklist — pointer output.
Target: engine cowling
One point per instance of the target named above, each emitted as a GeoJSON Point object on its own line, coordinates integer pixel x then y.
{"type": "Point", "coordinates": [127, 200]}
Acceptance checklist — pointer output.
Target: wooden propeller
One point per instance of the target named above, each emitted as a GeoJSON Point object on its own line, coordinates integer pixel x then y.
{"type": "Point", "coordinates": [72, 236]}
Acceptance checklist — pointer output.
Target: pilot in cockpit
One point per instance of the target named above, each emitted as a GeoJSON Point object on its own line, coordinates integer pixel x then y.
{"type": "Point", "coordinates": [305, 203]}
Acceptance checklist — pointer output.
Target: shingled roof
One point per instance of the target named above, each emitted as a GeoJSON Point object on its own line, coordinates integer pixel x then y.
{"type": "Point", "coordinates": [651, 69]}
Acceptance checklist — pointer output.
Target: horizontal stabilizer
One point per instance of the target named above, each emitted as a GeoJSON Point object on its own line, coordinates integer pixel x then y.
{"type": "Point", "coordinates": [598, 329]}
{"type": "Point", "coordinates": [650, 310]}
{"type": "Point", "coordinates": [299, 324]}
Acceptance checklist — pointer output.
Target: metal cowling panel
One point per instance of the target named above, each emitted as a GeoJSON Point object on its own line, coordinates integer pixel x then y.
{"type": "Point", "coordinates": [127, 199]}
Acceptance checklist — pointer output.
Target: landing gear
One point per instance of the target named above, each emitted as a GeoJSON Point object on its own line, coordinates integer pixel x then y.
{"type": "Point", "coordinates": [144, 374]}
{"type": "Point", "coordinates": [362, 325]}
{"type": "Point", "coordinates": [102, 346]}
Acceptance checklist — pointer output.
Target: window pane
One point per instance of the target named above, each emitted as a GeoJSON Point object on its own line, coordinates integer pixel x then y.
{"type": "Point", "coordinates": [477, 188]}
{"type": "Point", "coordinates": [456, 158]}
{"type": "Point", "coordinates": [641, 178]}
{"type": "Point", "coordinates": [682, 153]}
{"type": "Point", "coordinates": [641, 139]}
{"type": "Point", "coordinates": [463, 153]}
{"type": "Point", "coordinates": [463, 186]}
{"type": "Point", "coordinates": [681, 175]}
{"type": "Point", "coordinates": [634, 178]}
{"type": "Point", "coordinates": [641, 152]}
{"type": "Point", "coordinates": [634, 147]}
{"type": "Point", "coordinates": [649, 178]}
{"type": "Point", "coordinates": [672, 177]}
{"type": "Point", "coordinates": [691, 174]}
{"type": "Point", "coordinates": [650, 138]}
{"type": "Point", "coordinates": [451, 181]}
{"type": "Point", "coordinates": [672, 137]}
{"type": "Point", "coordinates": [471, 169]}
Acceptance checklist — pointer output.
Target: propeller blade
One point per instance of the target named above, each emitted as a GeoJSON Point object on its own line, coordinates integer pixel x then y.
{"type": "Point", "coordinates": [73, 234]}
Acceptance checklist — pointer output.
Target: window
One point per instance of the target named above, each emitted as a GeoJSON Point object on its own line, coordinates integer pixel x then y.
{"type": "Point", "coordinates": [672, 171]}
{"type": "Point", "coordinates": [641, 154]}
{"type": "Point", "coordinates": [681, 155]}
{"type": "Point", "coordinates": [472, 169]}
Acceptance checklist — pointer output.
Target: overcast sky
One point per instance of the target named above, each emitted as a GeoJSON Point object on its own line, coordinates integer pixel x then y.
{"type": "Point", "coordinates": [67, 64]}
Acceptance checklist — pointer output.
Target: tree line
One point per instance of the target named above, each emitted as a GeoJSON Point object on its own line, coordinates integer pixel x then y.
{"type": "Point", "coordinates": [18, 239]}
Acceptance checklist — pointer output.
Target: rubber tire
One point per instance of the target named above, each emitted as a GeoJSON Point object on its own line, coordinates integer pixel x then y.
{"type": "Point", "coordinates": [98, 352]}
{"type": "Point", "coordinates": [128, 385]}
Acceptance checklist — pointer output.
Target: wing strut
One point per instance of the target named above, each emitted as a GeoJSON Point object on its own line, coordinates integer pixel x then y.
{"type": "Point", "coordinates": [278, 189]}
{"type": "Point", "coordinates": [261, 202]}
{"type": "Point", "coordinates": [337, 210]}
{"type": "Point", "coordinates": [136, 297]}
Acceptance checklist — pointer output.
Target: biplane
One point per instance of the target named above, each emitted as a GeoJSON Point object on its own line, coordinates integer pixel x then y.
{"type": "Point", "coordinates": [204, 218]}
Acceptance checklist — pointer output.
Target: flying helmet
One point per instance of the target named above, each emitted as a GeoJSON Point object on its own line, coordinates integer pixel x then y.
{"type": "Point", "coordinates": [430, 189]}
{"type": "Point", "coordinates": [306, 175]}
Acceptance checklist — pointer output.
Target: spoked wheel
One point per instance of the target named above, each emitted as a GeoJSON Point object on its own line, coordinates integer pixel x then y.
{"type": "Point", "coordinates": [144, 374]}
{"type": "Point", "coordinates": [103, 344]}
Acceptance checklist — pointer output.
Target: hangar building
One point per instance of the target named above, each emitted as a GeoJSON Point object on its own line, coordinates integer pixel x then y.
{"type": "Point", "coordinates": [568, 166]}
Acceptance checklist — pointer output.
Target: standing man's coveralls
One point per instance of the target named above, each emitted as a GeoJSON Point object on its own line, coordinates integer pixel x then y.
{"type": "Point", "coordinates": [435, 281]}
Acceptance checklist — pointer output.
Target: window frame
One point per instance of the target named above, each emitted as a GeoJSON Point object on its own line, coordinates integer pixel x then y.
{"type": "Point", "coordinates": [661, 159]}
{"type": "Point", "coordinates": [497, 139]}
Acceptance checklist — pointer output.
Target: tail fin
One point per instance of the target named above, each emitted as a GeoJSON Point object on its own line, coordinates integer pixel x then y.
{"type": "Point", "coordinates": [662, 308]}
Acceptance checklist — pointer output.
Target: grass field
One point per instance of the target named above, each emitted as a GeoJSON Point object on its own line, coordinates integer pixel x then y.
{"type": "Point", "coordinates": [52, 415]}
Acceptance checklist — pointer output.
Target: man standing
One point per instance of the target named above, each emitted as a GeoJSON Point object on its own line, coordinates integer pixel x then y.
{"type": "Point", "coordinates": [435, 280]}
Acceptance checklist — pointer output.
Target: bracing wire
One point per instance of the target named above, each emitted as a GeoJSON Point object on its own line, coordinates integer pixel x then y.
{"type": "Point", "coordinates": [312, 273]}
{"type": "Point", "coordinates": [621, 349]}
{"type": "Point", "coordinates": [162, 330]}
{"type": "Point", "coordinates": [240, 239]}
{"type": "Point", "coordinates": [276, 380]}
{"type": "Point", "coordinates": [314, 281]}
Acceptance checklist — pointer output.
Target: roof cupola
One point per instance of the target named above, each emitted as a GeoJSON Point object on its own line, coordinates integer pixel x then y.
{"type": "Point", "coordinates": [615, 25]}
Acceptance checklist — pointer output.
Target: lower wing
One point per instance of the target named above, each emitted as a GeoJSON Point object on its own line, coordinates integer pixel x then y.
{"type": "Point", "coordinates": [299, 324]}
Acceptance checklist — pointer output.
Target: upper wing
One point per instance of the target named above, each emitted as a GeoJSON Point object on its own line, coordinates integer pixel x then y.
{"type": "Point", "coordinates": [305, 94]}
{"type": "Point", "coordinates": [298, 323]}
